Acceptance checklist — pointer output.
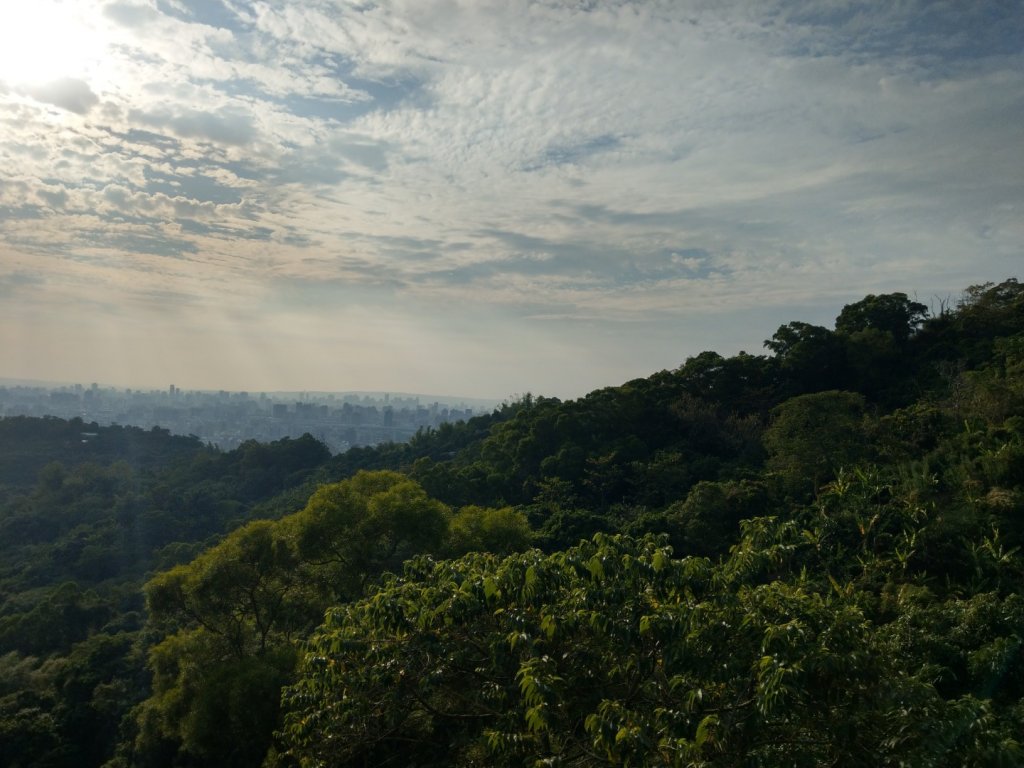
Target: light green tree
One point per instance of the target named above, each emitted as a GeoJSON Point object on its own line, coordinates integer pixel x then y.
{"type": "Point", "coordinates": [613, 653]}
{"type": "Point", "coordinates": [231, 619]}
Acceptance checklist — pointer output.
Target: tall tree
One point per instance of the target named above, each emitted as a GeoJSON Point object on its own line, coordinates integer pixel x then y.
{"type": "Point", "coordinates": [232, 617]}
{"type": "Point", "coordinates": [890, 312]}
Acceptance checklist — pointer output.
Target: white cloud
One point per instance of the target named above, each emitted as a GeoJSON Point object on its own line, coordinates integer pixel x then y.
{"type": "Point", "coordinates": [234, 127]}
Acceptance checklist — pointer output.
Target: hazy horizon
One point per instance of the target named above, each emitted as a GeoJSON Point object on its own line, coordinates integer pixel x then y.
{"type": "Point", "coordinates": [486, 198]}
{"type": "Point", "coordinates": [145, 388]}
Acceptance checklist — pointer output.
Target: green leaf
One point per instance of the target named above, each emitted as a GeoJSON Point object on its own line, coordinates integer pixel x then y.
{"type": "Point", "coordinates": [490, 587]}
{"type": "Point", "coordinates": [660, 560]}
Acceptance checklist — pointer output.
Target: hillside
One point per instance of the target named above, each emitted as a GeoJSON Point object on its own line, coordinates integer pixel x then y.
{"type": "Point", "coordinates": [808, 557]}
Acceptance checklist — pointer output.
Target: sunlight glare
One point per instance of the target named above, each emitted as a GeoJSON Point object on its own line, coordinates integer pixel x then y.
{"type": "Point", "coordinates": [45, 40]}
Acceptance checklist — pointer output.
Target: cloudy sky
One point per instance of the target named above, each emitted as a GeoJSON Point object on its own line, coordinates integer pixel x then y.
{"type": "Point", "coordinates": [486, 198]}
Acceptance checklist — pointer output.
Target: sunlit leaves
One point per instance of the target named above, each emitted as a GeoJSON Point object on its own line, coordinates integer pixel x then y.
{"type": "Point", "coordinates": [616, 653]}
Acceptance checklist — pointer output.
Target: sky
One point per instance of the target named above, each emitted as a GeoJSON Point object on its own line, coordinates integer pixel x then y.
{"type": "Point", "coordinates": [486, 198]}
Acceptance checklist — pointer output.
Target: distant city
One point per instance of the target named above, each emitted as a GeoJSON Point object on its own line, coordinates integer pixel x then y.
{"type": "Point", "coordinates": [226, 419]}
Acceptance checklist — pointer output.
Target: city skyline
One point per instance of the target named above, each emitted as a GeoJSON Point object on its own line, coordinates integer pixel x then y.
{"type": "Point", "coordinates": [164, 388]}
{"type": "Point", "coordinates": [226, 419]}
{"type": "Point", "coordinates": [543, 196]}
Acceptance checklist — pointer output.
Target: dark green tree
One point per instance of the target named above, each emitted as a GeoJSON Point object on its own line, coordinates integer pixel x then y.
{"type": "Point", "coordinates": [812, 436]}
{"type": "Point", "coordinates": [891, 313]}
{"type": "Point", "coordinates": [809, 357]}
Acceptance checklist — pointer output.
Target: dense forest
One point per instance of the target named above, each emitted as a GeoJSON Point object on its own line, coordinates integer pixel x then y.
{"type": "Point", "coordinates": [808, 557]}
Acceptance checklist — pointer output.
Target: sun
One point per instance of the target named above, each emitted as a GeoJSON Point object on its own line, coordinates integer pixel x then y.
{"type": "Point", "coordinates": [42, 41]}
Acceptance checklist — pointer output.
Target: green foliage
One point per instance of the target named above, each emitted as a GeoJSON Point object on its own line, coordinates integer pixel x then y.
{"type": "Point", "coordinates": [891, 313]}
{"type": "Point", "coordinates": [476, 660]}
{"type": "Point", "coordinates": [809, 357]}
{"type": "Point", "coordinates": [209, 709]}
{"type": "Point", "coordinates": [812, 436]}
{"type": "Point", "coordinates": [742, 384]}
{"type": "Point", "coordinates": [615, 653]}
{"type": "Point", "coordinates": [82, 520]}
{"type": "Point", "coordinates": [64, 616]}
{"type": "Point", "coordinates": [476, 529]}
{"type": "Point", "coordinates": [361, 527]}
{"type": "Point", "coordinates": [28, 445]}
{"type": "Point", "coordinates": [878, 624]}
{"type": "Point", "coordinates": [708, 520]}
{"type": "Point", "coordinates": [244, 591]}
{"type": "Point", "coordinates": [231, 617]}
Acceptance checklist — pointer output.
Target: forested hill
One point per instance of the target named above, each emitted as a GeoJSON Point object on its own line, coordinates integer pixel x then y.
{"type": "Point", "coordinates": [807, 557]}
{"type": "Point", "coordinates": [28, 444]}
{"type": "Point", "coordinates": [624, 450]}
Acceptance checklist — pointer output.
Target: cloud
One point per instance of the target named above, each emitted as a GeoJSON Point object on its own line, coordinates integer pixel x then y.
{"type": "Point", "coordinates": [226, 125]}
{"type": "Point", "coordinates": [583, 148]}
{"type": "Point", "coordinates": [17, 282]}
{"type": "Point", "coordinates": [513, 163]}
{"type": "Point", "coordinates": [131, 14]}
{"type": "Point", "coordinates": [67, 93]}
{"type": "Point", "coordinates": [56, 198]}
